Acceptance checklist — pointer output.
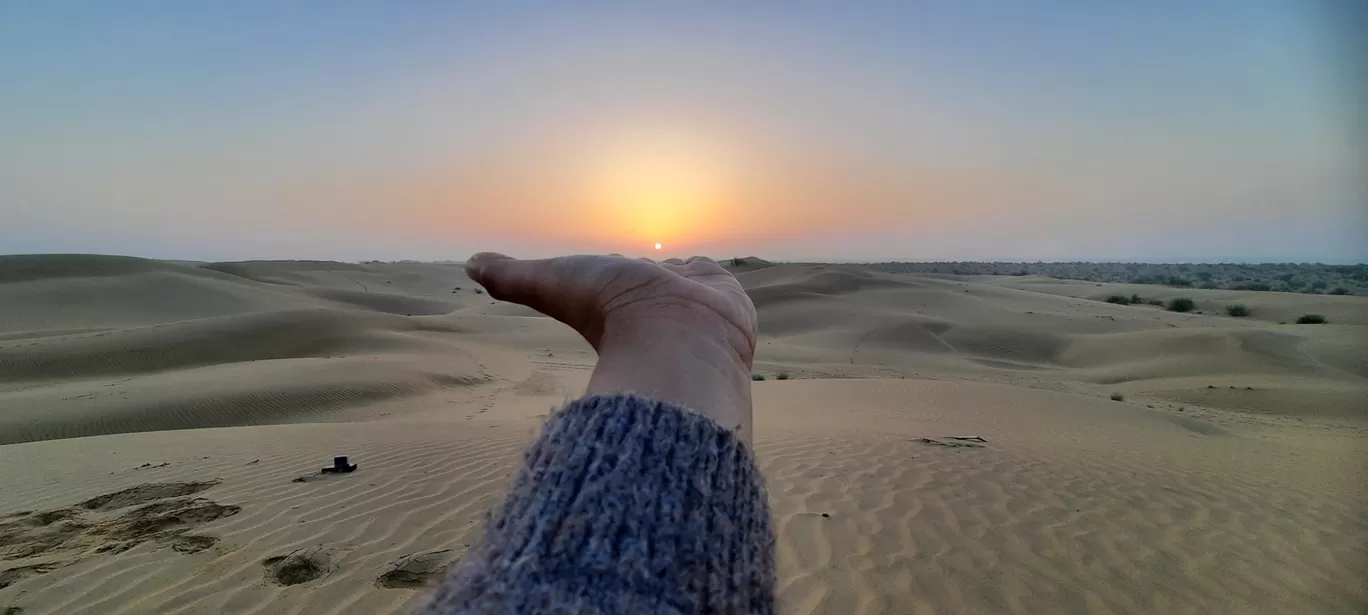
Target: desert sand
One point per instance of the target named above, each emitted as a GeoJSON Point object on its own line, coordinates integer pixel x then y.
{"type": "Point", "coordinates": [939, 443]}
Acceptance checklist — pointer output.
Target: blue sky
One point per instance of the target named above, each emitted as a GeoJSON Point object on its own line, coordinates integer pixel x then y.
{"type": "Point", "coordinates": [845, 131]}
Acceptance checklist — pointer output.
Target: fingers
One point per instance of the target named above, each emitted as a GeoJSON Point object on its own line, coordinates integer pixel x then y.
{"type": "Point", "coordinates": [511, 279]}
{"type": "Point", "coordinates": [478, 266]}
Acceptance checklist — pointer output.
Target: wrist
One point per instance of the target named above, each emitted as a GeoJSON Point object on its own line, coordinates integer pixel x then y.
{"type": "Point", "coordinates": [692, 365]}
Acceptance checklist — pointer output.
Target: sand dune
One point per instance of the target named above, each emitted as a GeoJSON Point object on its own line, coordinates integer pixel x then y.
{"type": "Point", "coordinates": [1264, 306]}
{"type": "Point", "coordinates": [943, 443]}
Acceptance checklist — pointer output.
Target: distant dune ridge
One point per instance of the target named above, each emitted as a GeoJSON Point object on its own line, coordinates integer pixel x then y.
{"type": "Point", "coordinates": [1228, 479]}
{"type": "Point", "coordinates": [1311, 278]}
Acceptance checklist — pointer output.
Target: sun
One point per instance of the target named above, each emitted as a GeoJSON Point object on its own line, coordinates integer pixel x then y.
{"type": "Point", "coordinates": [655, 185]}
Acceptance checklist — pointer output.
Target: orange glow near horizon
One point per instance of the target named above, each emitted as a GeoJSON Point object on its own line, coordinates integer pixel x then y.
{"type": "Point", "coordinates": [656, 188]}
{"type": "Point", "coordinates": [609, 190]}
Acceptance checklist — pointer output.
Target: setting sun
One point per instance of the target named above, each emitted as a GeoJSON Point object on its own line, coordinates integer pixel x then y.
{"type": "Point", "coordinates": [658, 186]}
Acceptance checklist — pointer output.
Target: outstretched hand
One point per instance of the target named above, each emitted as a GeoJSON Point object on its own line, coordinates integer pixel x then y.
{"type": "Point", "coordinates": [682, 332]}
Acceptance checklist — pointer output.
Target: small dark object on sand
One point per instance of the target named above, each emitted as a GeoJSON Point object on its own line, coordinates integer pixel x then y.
{"type": "Point", "coordinates": [954, 442]}
{"type": "Point", "coordinates": [339, 466]}
{"type": "Point", "coordinates": [969, 438]}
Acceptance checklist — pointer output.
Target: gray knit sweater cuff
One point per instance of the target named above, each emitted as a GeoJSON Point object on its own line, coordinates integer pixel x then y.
{"type": "Point", "coordinates": [624, 505]}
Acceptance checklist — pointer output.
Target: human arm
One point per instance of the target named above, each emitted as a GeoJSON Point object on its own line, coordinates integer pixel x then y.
{"type": "Point", "coordinates": [643, 496]}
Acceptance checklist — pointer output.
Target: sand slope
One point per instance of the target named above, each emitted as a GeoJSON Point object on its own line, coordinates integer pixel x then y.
{"type": "Point", "coordinates": [1230, 480]}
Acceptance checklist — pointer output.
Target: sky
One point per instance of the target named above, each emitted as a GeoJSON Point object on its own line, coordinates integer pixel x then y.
{"type": "Point", "coordinates": [1160, 131]}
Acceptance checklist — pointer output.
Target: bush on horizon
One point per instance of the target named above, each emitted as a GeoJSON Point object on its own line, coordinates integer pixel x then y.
{"type": "Point", "coordinates": [1311, 319]}
{"type": "Point", "coordinates": [1181, 304]}
{"type": "Point", "coordinates": [1238, 310]}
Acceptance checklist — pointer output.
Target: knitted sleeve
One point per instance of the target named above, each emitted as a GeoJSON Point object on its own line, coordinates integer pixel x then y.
{"type": "Point", "coordinates": [624, 505]}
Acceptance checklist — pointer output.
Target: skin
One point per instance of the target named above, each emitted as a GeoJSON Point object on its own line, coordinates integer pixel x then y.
{"type": "Point", "coordinates": [677, 331]}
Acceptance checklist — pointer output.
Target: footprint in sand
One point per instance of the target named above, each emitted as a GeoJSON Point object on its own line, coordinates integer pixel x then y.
{"type": "Point", "coordinates": [188, 544]}
{"type": "Point", "coordinates": [11, 576]}
{"type": "Point", "coordinates": [298, 567]}
{"type": "Point", "coordinates": [416, 570]}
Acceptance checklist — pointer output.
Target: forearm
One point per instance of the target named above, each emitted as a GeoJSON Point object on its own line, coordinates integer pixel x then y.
{"type": "Point", "coordinates": [624, 505]}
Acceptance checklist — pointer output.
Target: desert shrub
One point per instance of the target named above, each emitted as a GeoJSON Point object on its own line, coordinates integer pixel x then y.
{"type": "Point", "coordinates": [1238, 310]}
{"type": "Point", "coordinates": [757, 377]}
{"type": "Point", "coordinates": [1136, 299]}
{"type": "Point", "coordinates": [1118, 397]}
{"type": "Point", "coordinates": [1158, 302]}
{"type": "Point", "coordinates": [1251, 286]}
{"type": "Point", "coordinates": [1181, 304]}
{"type": "Point", "coordinates": [1340, 290]}
{"type": "Point", "coordinates": [1119, 300]}
{"type": "Point", "coordinates": [781, 376]}
{"type": "Point", "coordinates": [1311, 319]}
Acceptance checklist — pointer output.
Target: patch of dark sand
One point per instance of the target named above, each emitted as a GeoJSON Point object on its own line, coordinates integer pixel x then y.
{"type": "Point", "coordinates": [144, 493]}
